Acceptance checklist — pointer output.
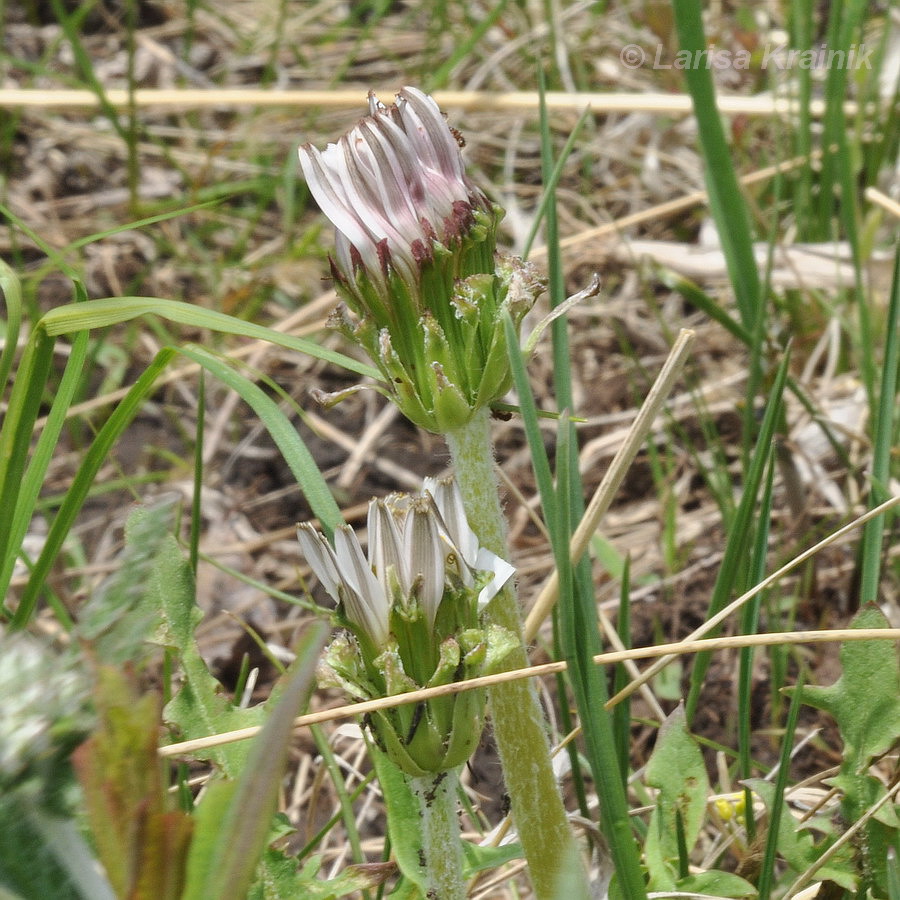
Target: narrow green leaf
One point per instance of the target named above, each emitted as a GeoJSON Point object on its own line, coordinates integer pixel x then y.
{"type": "Point", "coordinates": [779, 814]}
{"type": "Point", "coordinates": [883, 445]}
{"type": "Point", "coordinates": [736, 550]}
{"type": "Point", "coordinates": [551, 180]}
{"type": "Point", "coordinates": [729, 211]}
{"type": "Point", "coordinates": [749, 625]}
{"type": "Point", "coordinates": [403, 818]}
{"type": "Point", "coordinates": [239, 831]}
{"type": "Point", "coordinates": [581, 634]}
{"type": "Point", "coordinates": [699, 298]}
{"type": "Point", "coordinates": [33, 480]}
{"type": "Point", "coordinates": [462, 49]}
{"type": "Point", "coordinates": [12, 298]}
{"type": "Point", "coordinates": [294, 451]}
{"type": "Point", "coordinates": [114, 310]}
{"type": "Point", "coordinates": [84, 478]}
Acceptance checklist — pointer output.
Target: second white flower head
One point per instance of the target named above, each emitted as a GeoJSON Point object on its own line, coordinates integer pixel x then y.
{"type": "Point", "coordinates": [420, 548]}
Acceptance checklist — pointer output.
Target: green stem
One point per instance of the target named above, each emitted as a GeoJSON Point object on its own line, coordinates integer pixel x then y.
{"type": "Point", "coordinates": [440, 835]}
{"type": "Point", "coordinates": [518, 721]}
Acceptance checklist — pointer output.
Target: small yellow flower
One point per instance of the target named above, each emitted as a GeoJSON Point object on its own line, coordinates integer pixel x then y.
{"type": "Point", "coordinates": [731, 806]}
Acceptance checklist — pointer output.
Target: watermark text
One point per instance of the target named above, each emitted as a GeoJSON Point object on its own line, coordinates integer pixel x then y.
{"type": "Point", "coordinates": [771, 56]}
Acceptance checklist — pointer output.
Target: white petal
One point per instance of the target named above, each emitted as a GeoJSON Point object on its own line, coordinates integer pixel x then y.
{"type": "Point", "coordinates": [386, 545]}
{"type": "Point", "coordinates": [375, 105]}
{"type": "Point", "coordinates": [365, 601]}
{"type": "Point", "coordinates": [449, 502]}
{"type": "Point", "coordinates": [431, 193]}
{"type": "Point", "coordinates": [362, 196]}
{"type": "Point", "coordinates": [502, 572]}
{"type": "Point", "coordinates": [395, 174]}
{"type": "Point", "coordinates": [424, 551]}
{"type": "Point", "coordinates": [320, 557]}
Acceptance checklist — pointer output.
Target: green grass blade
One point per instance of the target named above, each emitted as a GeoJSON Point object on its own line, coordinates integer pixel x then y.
{"type": "Point", "coordinates": [35, 474]}
{"type": "Point", "coordinates": [726, 202]}
{"type": "Point", "coordinates": [344, 797]}
{"type": "Point", "coordinates": [562, 376]}
{"type": "Point", "coordinates": [114, 310]}
{"type": "Point", "coordinates": [12, 296]}
{"type": "Point", "coordinates": [550, 181]}
{"type": "Point", "coordinates": [15, 434]}
{"type": "Point", "coordinates": [55, 256]}
{"type": "Point", "coordinates": [699, 298]}
{"type": "Point", "coordinates": [883, 444]}
{"type": "Point", "coordinates": [801, 30]}
{"type": "Point", "coordinates": [749, 625]}
{"type": "Point", "coordinates": [767, 874]}
{"type": "Point", "coordinates": [738, 546]}
{"type": "Point", "coordinates": [622, 711]}
{"type": "Point", "coordinates": [81, 484]}
{"type": "Point", "coordinates": [528, 410]}
{"type": "Point", "coordinates": [70, 23]}
{"type": "Point", "coordinates": [196, 510]}
{"type": "Point", "coordinates": [558, 530]}
{"type": "Point", "coordinates": [142, 223]}
{"type": "Point", "coordinates": [225, 853]}
{"type": "Point", "coordinates": [580, 627]}
{"type": "Point", "coordinates": [289, 442]}
{"type": "Point", "coordinates": [463, 48]}
{"type": "Point", "coordinates": [581, 640]}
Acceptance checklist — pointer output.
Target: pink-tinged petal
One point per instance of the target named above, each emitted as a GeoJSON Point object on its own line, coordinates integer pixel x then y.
{"type": "Point", "coordinates": [363, 196]}
{"type": "Point", "coordinates": [320, 558]}
{"type": "Point", "coordinates": [430, 133]}
{"type": "Point", "coordinates": [379, 177]}
{"type": "Point", "coordinates": [329, 193]}
{"type": "Point", "coordinates": [400, 152]}
{"type": "Point", "coordinates": [354, 187]}
{"type": "Point", "coordinates": [365, 601]}
{"type": "Point", "coordinates": [394, 177]}
{"type": "Point", "coordinates": [430, 193]}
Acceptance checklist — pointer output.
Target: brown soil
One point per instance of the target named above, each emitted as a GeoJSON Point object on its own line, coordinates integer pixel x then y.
{"type": "Point", "coordinates": [67, 177]}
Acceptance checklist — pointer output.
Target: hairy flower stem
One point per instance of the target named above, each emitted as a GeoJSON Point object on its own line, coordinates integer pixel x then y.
{"type": "Point", "coordinates": [440, 835]}
{"type": "Point", "coordinates": [518, 721]}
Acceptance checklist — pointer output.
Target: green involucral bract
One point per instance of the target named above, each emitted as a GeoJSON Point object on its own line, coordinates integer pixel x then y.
{"type": "Point", "coordinates": [412, 611]}
{"type": "Point", "coordinates": [416, 261]}
{"type": "Point", "coordinates": [437, 734]}
{"type": "Point", "coordinates": [443, 362]}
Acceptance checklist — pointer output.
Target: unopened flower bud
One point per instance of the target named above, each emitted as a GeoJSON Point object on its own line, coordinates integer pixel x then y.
{"type": "Point", "coordinates": [412, 604]}
{"type": "Point", "coordinates": [415, 259]}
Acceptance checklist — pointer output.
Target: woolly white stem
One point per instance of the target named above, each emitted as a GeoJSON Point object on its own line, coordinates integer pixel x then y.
{"type": "Point", "coordinates": [518, 721]}
{"type": "Point", "coordinates": [441, 846]}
